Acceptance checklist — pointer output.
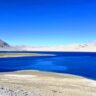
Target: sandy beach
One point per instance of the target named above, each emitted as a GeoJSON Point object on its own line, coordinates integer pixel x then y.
{"type": "Point", "coordinates": [36, 83]}
{"type": "Point", "coordinates": [8, 55]}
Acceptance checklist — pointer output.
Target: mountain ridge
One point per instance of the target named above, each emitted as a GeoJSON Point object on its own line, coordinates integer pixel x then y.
{"type": "Point", "coordinates": [3, 44]}
{"type": "Point", "coordinates": [87, 47]}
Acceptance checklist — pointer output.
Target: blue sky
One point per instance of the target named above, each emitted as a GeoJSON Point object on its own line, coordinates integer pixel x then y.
{"type": "Point", "coordinates": [47, 22]}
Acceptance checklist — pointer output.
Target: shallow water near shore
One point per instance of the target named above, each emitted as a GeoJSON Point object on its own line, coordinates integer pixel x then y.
{"type": "Point", "coordinates": [77, 63]}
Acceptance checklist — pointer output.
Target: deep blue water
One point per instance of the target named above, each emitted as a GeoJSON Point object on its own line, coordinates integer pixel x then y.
{"type": "Point", "coordinates": [77, 63]}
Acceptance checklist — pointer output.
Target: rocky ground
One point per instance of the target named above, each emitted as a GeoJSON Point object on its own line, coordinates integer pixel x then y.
{"type": "Point", "coordinates": [35, 83]}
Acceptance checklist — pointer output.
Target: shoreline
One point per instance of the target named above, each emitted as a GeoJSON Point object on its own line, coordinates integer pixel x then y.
{"type": "Point", "coordinates": [36, 51]}
{"type": "Point", "coordinates": [8, 55]}
{"type": "Point", "coordinates": [38, 83]}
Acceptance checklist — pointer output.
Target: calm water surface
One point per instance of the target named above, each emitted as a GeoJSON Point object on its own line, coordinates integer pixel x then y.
{"type": "Point", "coordinates": [77, 63]}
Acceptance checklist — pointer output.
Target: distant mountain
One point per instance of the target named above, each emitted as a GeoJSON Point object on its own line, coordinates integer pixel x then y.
{"type": "Point", "coordinates": [3, 44]}
{"type": "Point", "coordinates": [87, 47]}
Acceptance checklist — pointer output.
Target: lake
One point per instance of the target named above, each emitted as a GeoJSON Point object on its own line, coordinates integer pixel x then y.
{"type": "Point", "coordinates": [77, 63]}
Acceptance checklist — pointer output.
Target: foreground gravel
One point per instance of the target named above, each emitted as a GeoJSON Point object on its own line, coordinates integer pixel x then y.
{"type": "Point", "coordinates": [33, 83]}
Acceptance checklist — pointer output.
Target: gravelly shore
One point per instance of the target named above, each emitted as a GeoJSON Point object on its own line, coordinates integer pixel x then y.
{"type": "Point", "coordinates": [8, 55]}
{"type": "Point", "coordinates": [35, 83]}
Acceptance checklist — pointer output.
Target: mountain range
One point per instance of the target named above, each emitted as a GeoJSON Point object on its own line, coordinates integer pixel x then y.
{"type": "Point", "coordinates": [88, 47]}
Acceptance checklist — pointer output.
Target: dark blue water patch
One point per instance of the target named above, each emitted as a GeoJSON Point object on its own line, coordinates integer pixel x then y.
{"type": "Point", "coordinates": [82, 64]}
{"type": "Point", "coordinates": [57, 53]}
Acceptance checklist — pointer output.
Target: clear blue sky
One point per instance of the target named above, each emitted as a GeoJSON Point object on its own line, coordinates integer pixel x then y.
{"type": "Point", "coordinates": [47, 22]}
